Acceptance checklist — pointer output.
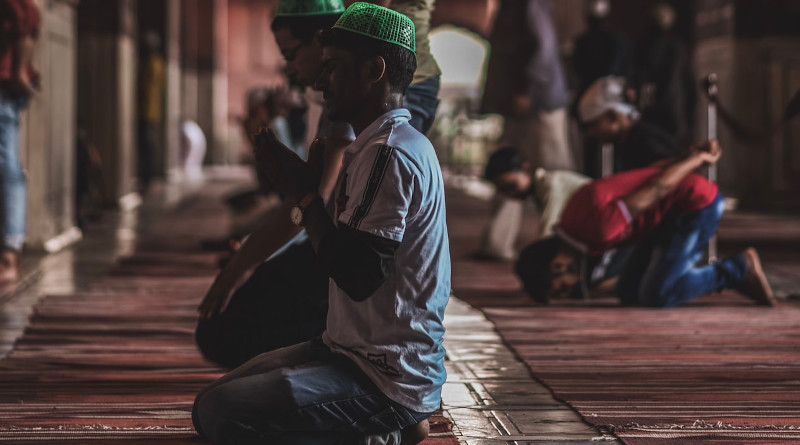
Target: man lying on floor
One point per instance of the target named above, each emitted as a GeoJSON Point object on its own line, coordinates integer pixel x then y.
{"type": "Point", "coordinates": [669, 214]}
{"type": "Point", "coordinates": [379, 367]}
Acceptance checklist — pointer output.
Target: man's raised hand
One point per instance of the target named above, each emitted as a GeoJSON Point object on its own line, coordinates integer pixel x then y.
{"type": "Point", "coordinates": [291, 176]}
{"type": "Point", "coordinates": [709, 152]}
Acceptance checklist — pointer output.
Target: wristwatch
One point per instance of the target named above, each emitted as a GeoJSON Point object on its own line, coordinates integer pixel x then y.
{"type": "Point", "coordinates": [297, 214]}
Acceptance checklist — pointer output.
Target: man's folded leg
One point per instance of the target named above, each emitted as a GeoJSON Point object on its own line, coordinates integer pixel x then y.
{"type": "Point", "coordinates": [299, 395]}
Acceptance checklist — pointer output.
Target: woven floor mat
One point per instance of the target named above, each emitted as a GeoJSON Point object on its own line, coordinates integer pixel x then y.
{"type": "Point", "coordinates": [116, 362]}
{"type": "Point", "coordinates": [695, 374]}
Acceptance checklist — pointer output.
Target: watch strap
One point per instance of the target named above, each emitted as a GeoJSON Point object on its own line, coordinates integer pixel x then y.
{"type": "Point", "coordinates": [307, 200]}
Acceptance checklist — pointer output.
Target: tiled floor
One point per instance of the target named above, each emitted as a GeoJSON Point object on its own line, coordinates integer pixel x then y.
{"type": "Point", "coordinates": [490, 396]}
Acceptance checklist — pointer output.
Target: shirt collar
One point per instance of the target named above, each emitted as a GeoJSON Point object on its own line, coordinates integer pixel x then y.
{"type": "Point", "coordinates": [388, 118]}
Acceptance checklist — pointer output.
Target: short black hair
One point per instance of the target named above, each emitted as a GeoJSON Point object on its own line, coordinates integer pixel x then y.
{"type": "Point", "coordinates": [533, 267]}
{"type": "Point", "coordinates": [504, 160]}
{"type": "Point", "coordinates": [304, 27]}
{"type": "Point", "coordinates": [401, 63]}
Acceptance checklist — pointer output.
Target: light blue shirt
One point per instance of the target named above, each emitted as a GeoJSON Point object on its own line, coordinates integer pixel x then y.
{"type": "Point", "coordinates": [391, 186]}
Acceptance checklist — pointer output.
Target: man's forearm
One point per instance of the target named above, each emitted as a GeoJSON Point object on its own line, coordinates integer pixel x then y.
{"type": "Point", "coordinates": [358, 262]}
{"type": "Point", "coordinates": [264, 241]}
{"type": "Point", "coordinates": [22, 55]}
{"type": "Point", "coordinates": [660, 185]}
{"type": "Point", "coordinates": [317, 222]}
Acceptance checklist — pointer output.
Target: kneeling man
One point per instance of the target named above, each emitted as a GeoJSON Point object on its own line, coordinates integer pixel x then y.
{"type": "Point", "coordinates": [378, 369]}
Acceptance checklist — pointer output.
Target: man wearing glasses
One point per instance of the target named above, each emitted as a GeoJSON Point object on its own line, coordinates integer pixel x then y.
{"type": "Point", "coordinates": [272, 293]}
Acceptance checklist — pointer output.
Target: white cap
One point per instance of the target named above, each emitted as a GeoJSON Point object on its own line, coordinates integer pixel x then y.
{"type": "Point", "coordinates": [605, 94]}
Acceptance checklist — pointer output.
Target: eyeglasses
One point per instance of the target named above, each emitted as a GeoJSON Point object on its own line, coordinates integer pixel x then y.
{"type": "Point", "coordinates": [292, 53]}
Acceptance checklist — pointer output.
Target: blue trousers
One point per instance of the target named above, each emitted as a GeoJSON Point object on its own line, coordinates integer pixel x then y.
{"type": "Point", "coordinates": [422, 101]}
{"type": "Point", "coordinates": [663, 270]}
{"type": "Point", "coordinates": [302, 394]}
{"type": "Point", "coordinates": [12, 177]}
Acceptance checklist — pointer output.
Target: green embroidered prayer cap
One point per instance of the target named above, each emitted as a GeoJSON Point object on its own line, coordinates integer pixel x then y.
{"type": "Point", "coordinates": [288, 8]}
{"type": "Point", "coordinates": [378, 23]}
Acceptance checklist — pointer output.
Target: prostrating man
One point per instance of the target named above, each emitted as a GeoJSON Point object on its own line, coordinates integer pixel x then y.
{"type": "Point", "coordinates": [379, 366]}
{"type": "Point", "coordinates": [515, 178]}
{"type": "Point", "coordinates": [670, 214]}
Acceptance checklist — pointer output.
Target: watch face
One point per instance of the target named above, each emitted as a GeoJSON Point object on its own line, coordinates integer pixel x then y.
{"type": "Point", "coordinates": [296, 215]}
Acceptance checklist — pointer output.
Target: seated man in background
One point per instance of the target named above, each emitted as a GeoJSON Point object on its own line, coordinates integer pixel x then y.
{"type": "Point", "coordinates": [669, 214]}
{"type": "Point", "coordinates": [606, 117]}
{"type": "Point", "coordinates": [379, 367]}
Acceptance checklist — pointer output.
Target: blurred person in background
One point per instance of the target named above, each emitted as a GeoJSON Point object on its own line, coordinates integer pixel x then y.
{"type": "Point", "coordinates": [151, 102]}
{"type": "Point", "coordinates": [599, 52]}
{"type": "Point", "coordinates": [19, 81]}
{"type": "Point", "coordinates": [525, 84]}
{"type": "Point", "coordinates": [664, 79]}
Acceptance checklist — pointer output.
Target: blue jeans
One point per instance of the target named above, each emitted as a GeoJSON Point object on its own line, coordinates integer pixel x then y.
{"type": "Point", "coordinates": [662, 270]}
{"type": "Point", "coordinates": [12, 178]}
{"type": "Point", "coordinates": [302, 394]}
{"type": "Point", "coordinates": [422, 101]}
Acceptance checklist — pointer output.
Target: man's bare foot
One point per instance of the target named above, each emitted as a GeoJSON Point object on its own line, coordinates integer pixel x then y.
{"type": "Point", "coordinates": [415, 434]}
{"type": "Point", "coordinates": [755, 283]}
{"type": "Point", "coordinates": [9, 267]}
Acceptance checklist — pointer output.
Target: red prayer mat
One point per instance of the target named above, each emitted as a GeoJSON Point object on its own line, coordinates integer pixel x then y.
{"type": "Point", "coordinates": [117, 362]}
{"type": "Point", "coordinates": [703, 373]}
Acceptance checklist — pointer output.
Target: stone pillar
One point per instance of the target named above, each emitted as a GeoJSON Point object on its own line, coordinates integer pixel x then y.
{"type": "Point", "coordinates": [172, 90]}
{"type": "Point", "coordinates": [220, 150]}
{"type": "Point", "coordinates": [204, 72]}
{"type": "Point", "coordinates": [47, 132]}
{"type": "Point", "coordinates": [107, 90]}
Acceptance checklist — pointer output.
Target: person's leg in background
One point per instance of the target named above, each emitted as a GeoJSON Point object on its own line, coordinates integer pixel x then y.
{"type": "Point", "coordinates": [12, 189]}
{"type": "Point", "coordinates": [422, 100]}
{"type": "Point", "coordinates": [301, 394]}
{"type": "Point", "coordinates": [548, 141]}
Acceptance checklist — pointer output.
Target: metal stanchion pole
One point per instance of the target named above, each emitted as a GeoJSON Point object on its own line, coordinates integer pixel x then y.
{"type": "Point", "coordinates": [607, 160]}
{"type": "Point", "coordinates": [711, 83]}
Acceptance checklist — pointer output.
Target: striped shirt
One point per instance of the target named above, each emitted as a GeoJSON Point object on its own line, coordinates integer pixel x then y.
{"type": "Point", "coordinates": [391, 186]}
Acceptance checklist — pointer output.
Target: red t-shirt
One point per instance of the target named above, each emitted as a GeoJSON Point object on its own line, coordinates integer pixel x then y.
{"type": "Point", "coordinates": [18, 18]}
{"type": "Point", "coordinates": [596, 220]}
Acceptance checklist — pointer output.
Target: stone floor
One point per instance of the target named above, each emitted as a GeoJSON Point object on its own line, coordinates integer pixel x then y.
{"type": "Point", "coordinates": [490, 396]}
